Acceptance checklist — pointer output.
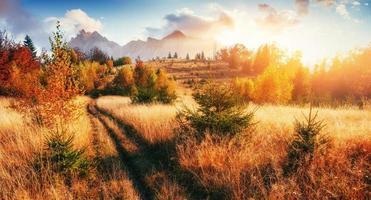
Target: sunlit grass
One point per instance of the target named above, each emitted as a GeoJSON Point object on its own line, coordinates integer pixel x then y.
{"type": "Point", "coordinates": [240, 166]}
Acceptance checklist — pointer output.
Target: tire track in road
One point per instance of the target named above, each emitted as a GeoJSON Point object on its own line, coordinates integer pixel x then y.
{"type": "Point", "coordinates": [125, 149]}
{"type": "Point", "coordinates": [161, 156]}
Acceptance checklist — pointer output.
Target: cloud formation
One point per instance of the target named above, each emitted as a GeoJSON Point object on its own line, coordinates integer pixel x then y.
{"type": "Point", "coordinates": [274, 20]}
{"type": "Point", "coordinates": [191, 24]}
{"type": "Point", "coordinates": [18, 21]}
{"type": "Point", "coordinates": [74, 21]}
{"type": "Point", "coordinates": [326, 2]}
{"type": "Point", "coordinates": [341, 9]}
{"type": "Point", "coordinates": [302, 6]}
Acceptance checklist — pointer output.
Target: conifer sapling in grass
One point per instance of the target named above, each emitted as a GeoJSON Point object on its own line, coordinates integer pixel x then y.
{"type": "Point", "coordinates": [308, 140]}
{"type": "Point", "coordinates": [219, 112]}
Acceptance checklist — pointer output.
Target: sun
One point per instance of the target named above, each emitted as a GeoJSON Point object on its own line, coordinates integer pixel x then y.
{"type": "Point", "coordinates": [229, 37]}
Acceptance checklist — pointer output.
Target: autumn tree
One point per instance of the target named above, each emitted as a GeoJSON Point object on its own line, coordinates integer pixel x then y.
{"type": "Point", "coordinates": [53, 105]}
{"type": "Point", "coordinates": [273, 86]}
{"type": "Point", "coordinates": [124, 80]}
{"type": "Point", "coordinates": [150, 86]}
{"type": "Point", "coordinates": [245, 88]}
{"type": "Point", "coordinates": [98, 55]}
{"type": "Point", "coordinates": [19, 70]}
{"type": "Point", "coordinates": [350, 75]}
{"type": "Point", "coordinates": [77, 55]}
{"type": "Point", "coordinates": [223, 55]}
{"type": "Point", "coordinates": [319, 84]}
{"type": "Point", "coordinates": [299, 75]}
{"type": "Point", "coordinates": [165, 87]}
{"type": "Point", "coordinates": [265, 56]}
{"type": "Point", "coordinates": [87, 75]}
{"type": "Point", "coordinates": [109, 63]}
{"type": "Point", "coordinates": [126, 60]}
{"type": "Point", "coordinates": [145, 80]}
{"type": "Point", "coordinates": [235, 56]}
{"type": "Point", "coordinates": [301, 85]}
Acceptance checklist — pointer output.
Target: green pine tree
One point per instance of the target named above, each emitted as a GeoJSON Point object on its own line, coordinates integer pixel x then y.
{"type": "Point", "coordinates": [29, 44]}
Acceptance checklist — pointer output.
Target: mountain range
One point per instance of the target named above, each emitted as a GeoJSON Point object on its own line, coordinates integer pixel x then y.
{"type": "Point", "coordinates": [176, 41]}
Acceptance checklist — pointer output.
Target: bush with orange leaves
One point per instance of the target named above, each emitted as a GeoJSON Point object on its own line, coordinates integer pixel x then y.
{"type": "Point", "coordinates": [19, 71]}
{"type": "Point", "coordinates": [51, 103]}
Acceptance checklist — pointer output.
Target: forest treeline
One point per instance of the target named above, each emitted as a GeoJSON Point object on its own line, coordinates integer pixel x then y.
{"type": "Point", "coordinates": [25, 75]}
{"type": "Point", "coordinates": [274, 75]}
{"type": "Point", "coordinates": [283, 78]}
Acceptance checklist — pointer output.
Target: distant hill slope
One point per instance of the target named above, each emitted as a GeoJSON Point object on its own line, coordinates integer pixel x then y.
{"type": "Point", "coordinates": [174, 42]}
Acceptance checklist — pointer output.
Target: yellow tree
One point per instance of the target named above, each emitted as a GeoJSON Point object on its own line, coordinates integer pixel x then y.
{"type": "Point", "coordinates": [273, 86]}
{"type": "Point", "coordinates": [124, 79]}
{"type": "Point", "coordinates": [166, 87]}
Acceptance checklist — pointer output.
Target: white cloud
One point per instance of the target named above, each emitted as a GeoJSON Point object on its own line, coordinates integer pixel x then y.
{"type": "Point", "coordinates": [356, 3]}
{"type": "Point", "coordinates": [327, 2]}
{"type": "Point", "coordinates": [74, 21]}
{"type": "Point", "coordinates": [192, 24]}
{"type": "Point", "coordinates": [276, 20]}
{"type": "Point", "coordinates": [302, 6]}
{"type": "Point", "coordinates": [341, 9]}
{"type": "Point", "coordinates": [18, 22]}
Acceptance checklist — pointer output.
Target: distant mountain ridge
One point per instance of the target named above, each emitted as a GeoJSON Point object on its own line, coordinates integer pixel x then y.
{"type": "Point", "coordinates": [88, 40]}
{"type": "Point", "coordinates": [176, 41]}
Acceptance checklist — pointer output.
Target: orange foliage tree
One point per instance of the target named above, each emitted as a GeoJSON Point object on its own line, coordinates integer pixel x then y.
{"type": "Point", "coordinates": [236, 56]}
{"type": "Point", "coordinates": [52, 103]}
{"type": "Point", "coordinates": [18, 71]}
{"type": "Point", "coordinates": [266, 55]}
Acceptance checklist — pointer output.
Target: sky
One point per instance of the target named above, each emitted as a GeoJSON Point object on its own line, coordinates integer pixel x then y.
{"type": "Point", "coordinates": [318, 28]}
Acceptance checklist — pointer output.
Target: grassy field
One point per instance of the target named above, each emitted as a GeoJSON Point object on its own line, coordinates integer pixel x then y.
{"type": "Point", "coordinates": [137, 156]}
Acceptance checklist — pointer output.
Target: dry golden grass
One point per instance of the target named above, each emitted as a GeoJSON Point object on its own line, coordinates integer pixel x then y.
{"type": "Point", "coordinates": [21, 141]}
{"type": "Point", "coordinates": [341, 123]}
{"type": "Point", "coordinates": [251, 167]}
{"type": "Point", "coordinates": [155, 122]}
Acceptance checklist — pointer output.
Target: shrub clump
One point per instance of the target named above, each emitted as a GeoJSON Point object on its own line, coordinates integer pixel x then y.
{"type": "Point", "coordinates": [123, 81]}
{"type": "Point", "coordinates": [148, 85]}
{"type": "Point", "coordinates": [220, 111]}
{"type": "Point", "coordinates": [122, 61]}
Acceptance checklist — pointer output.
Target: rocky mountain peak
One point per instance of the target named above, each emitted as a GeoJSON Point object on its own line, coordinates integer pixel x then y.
{"type": "Point", "coordinates": [175, 35]}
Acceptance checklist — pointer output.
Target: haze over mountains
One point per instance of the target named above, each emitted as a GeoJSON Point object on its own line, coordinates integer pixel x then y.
{"type": "Point", "coordinates": [177, 41]}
